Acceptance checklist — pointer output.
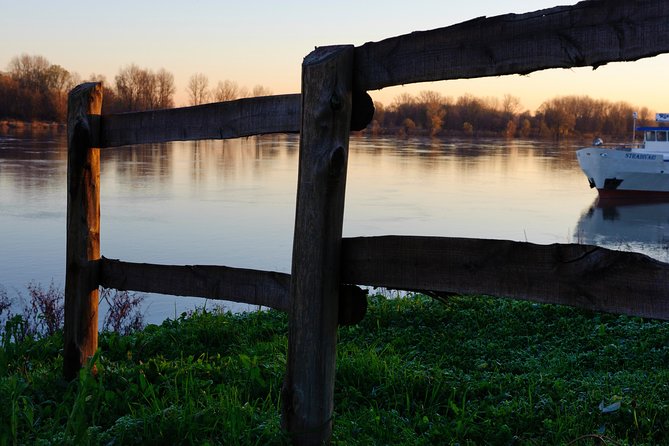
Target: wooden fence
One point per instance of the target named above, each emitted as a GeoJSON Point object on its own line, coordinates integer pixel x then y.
{"type": "Point", "coordinates": [334, 101]}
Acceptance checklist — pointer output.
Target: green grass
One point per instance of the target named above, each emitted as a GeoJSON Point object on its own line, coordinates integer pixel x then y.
{"type": "Point", "coordinates": [473, 371]}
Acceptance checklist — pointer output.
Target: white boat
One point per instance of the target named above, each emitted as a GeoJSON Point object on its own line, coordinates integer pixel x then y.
{"type": "Point", "coordinates": [632, 171]}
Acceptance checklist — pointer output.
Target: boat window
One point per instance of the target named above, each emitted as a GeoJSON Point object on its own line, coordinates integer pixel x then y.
{"type": "Point", "coordinates": [650, 135]}
{"type": "Point", "coordinates": [661, 136]}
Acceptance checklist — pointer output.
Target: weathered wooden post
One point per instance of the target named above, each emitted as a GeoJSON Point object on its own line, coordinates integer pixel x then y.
{"type": "Point", "coordinates": [326, 115]}
{"type": "Point", "coordinates": [83, 226]}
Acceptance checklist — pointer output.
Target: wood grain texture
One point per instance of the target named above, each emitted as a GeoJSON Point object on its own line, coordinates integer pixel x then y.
{"type": "Point", "coordinates": [590, 33]}
{"type": "Point", "coordinates": [267, 288]}
{"type": "Point", "coordinates": [308, 391]}
{"type": "Point", "coordinates": [221, 120]}
{"type": "Point", "coordinates": [83, 228]}
{"type": "Point", "coordinates": [583, 276]}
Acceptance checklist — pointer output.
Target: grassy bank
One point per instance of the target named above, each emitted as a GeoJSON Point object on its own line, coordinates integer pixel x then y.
{"type": "Point", "coordinates": [472, 371]}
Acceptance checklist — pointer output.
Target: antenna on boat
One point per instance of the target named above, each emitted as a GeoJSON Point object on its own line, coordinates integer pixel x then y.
{"type": "Point", "coordinates": [634, 117]}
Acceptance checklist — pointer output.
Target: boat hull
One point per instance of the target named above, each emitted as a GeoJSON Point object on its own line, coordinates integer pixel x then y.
{"type": "Point", "coordinates": [625, 173]}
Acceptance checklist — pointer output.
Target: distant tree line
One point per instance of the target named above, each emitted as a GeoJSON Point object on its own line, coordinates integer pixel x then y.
{"type": "Point", "coordinates": [430, 113]}
{"type": "Point", "coordinates": [33, 89]}
{"type": "Point", "coordinates": [200, 93]}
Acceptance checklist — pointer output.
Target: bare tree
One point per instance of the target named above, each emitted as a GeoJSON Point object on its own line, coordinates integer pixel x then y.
{"type": "Point", "coordinates": [558, 116]}
{"type": "Point", "coordinates": [59, 82]}
{"type": "Point", "coordinates": [147, 90]}
{"type": "Point", "coordinates": [430, 97]}
{"type": "Point", "coordinates": [197, 89]}
{"type": "Point", "coordinates": [165, 89]}
{"type": "Point", "coordinates": [141, 89]}
{"type": "Point", "coordinates": [58, 79]}
{"type": "Point", "coordinates": [510, 104]}
{"type": "Point", "coordinates": [434, 110]}
{"type": "Point", "coordinates": [402, 101]}
{"type": "Point", "coordinates": [226, 91]}
{"type": "Point", "coordinates": [9, 97]}
{"type": "Point", "coordinates": [260, 90]}
{"type": "Point", "coordinates": [41, 86]}
{"type": "Point", "coordinates": [127, 87]}
{"type": "Point", "coordinates": [31, 72]}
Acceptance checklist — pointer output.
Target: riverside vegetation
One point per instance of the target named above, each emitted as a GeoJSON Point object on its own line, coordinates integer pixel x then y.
{"type": "Point", "coordinates": [34, 89]}
{"type": "Point", "coordinates": [467, 371]}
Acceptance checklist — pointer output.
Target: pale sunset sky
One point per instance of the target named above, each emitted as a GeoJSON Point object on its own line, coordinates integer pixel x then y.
{"type": "Point", "coordinates": [263, 42]}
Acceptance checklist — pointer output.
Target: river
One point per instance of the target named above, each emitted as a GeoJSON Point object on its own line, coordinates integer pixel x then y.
{"type": "Point", "coordinates": [233, 202]}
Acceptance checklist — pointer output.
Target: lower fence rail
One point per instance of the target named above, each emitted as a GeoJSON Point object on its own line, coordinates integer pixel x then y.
{"type": "Point", "coordinates": [266, 288]}
{"type": "Point", "coordinates": [582, 276]}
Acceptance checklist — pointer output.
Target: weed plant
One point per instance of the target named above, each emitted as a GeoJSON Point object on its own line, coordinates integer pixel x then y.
{"type": "Point", "coordinates": [470, 371]}
{"type": "Point", "coordinates": [43, 314]}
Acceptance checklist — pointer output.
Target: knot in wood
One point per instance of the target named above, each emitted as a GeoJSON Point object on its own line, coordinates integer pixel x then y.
{"type": "Point", "coordinates": [337, 163]}
{"type": "Point", "coordinates": [335, 102]}
{"type": "Point", "coordinates": [297, 400]}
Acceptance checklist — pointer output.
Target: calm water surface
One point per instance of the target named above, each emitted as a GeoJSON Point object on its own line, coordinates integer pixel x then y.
{"type": "Point", "coordinates": [232, 202]}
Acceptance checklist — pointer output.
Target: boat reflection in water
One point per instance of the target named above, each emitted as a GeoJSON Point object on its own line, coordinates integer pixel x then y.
{"type": "Point", "coordinates": [627, 225]}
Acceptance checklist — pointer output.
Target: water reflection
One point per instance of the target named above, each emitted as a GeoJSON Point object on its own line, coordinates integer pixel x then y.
{"type": "Point", "coordinates": [207, 202]}
{"type": "Point", "coordinates": [31, 164]}
{"type": "Point", "coordinates": [490, 188]}
{"type": "Point", "coordinates": [233, 202]}
{"type": "Point", "coordinates": [627, 225]}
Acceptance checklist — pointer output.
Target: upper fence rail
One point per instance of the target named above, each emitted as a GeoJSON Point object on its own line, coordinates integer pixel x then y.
{"type": "Point", "coordinates": [590, 33]}
{"type": "Point", "coordinates": [220, 120]}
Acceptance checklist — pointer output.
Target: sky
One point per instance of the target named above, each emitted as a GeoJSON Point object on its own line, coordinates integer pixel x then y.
{"type": "Point", "coordinates": [263, 42]}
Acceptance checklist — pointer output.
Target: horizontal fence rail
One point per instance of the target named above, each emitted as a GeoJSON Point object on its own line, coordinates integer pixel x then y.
{"type": "Point", "coordinates": [249, 286]}
{"type": "Point", "coordinates": [220, 120]}
{"type": "Point", "coordinates": [590, 33]}
{"type": "Point", "coordinates": [583, 276]}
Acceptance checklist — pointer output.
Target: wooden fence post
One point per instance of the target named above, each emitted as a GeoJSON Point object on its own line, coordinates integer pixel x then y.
{"type": "Point", "coordinates": [83, 226]}
{"type": "Point", "coordinates": [326, 113]}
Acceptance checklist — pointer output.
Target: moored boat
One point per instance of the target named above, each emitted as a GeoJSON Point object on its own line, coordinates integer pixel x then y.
{"type": "Point", "coordinates": [631, 171]}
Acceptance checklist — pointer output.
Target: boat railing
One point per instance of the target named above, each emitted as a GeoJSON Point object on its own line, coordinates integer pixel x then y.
{"type": "Point", "coordinates": [619, 146]}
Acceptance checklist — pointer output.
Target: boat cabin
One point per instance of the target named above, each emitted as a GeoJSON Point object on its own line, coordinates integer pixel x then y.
{"type": "Point", "coordinates": [656, 139]}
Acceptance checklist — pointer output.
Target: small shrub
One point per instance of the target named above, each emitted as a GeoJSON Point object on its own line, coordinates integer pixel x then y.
{"type": "Point", "coordinates": [16, 330]}
{"type": "Point", "coordinates": [5, 304]}
{"type": "Point", "coordinates": [123, 315]}
{"type": "Point", "coordinates": [43, 312]}
{"type": "Point", "coordinates": [46, 313]}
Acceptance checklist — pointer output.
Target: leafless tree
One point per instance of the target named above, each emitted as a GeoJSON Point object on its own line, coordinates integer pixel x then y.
{"type": "Point", "coordinates": [434, 110]}
{"type": "Point", "coordinates": [403, 100]}
{"type": "Point", "coordinates": [141, 89]}
{"type": "Point", "coordinates": [165, 89]}
{"type": "Point", "coordinates": [260, 90]}
{"type": "Point", "coordinates": [197, 89]}
{"type": "Point", "coordinates": [31, 72]}
{"type": "Point", "coordinates": [510, 104]}
{"type": "Point", "coordinates": [127, 87]}
{"type": "Point", "coordinates": [430, 97]}
{"type": "Point", "coordinates": [147, 90]}
{"type": "Point", "coordinates": [58, 79]}
{"type": "Point", "coordinates": [226, 91]}
{"type": "Point", "coordinates": [41, 88]}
